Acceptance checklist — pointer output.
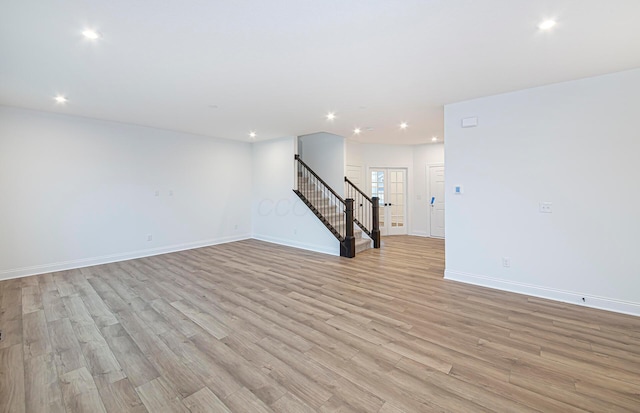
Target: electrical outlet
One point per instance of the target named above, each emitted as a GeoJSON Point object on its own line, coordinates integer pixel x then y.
{"type": "Point", "coordinates": [157, 192]}
{"type": "Point", "coordinates": [506, 262]}
{"type": "Point", "coordinates": [235, 226]}
{"type": "Point", "coordinates": [149, 237]}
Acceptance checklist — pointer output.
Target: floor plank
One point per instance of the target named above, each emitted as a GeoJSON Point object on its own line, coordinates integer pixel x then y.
{"type": "Point", "coordinates": [204, 401]}
{"type": "Point", "coordinates": [80, 393]}
{"type": "Point", "coordinates": [12, 394]}
{"type": "Point", "coordinates": [42, 390]}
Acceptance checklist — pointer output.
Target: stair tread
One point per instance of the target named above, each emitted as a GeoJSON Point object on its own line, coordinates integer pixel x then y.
{"type": "Point", "coordinates": [363, 244]}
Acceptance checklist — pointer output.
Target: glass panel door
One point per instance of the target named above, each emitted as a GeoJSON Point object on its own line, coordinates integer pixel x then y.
{"type": "Point", "coordinates": [396, 201]}
{"type": "Point", "coordinates": [391, 187]}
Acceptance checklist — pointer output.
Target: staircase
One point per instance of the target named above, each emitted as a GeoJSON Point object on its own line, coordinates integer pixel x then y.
{"type": "Point", "coordinates": [363, 242]}
{"type": "Point", "coordinates": [337, 214]}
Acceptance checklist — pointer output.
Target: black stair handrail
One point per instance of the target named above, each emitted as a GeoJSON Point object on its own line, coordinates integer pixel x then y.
{"type": "Point", "coordinates": [333, 211]}
{"type": "Point", "coordinates": [366, 211]}
{"type": "Point", "coordinates": [358, 190]}
{"type": "Point", "coordinates": [362, 206]}
{"type": "Point", "coordinates": [320, 180]}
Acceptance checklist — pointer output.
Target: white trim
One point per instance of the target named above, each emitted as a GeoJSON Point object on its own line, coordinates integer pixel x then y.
{"type": "Point", "coordinates": [429, 165]}
{"type": "Point", "coordinates": [420, 234]}
{"type": "Point", "coordinates": [106, 259]}
{"type": "Point", "coordinates": [602, 303]}
{"type": "Point", "coordinates": [289, 243]}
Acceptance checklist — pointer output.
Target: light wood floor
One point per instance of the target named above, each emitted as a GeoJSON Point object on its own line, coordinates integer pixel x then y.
{"type": "Point", "coordinates": [255, 327]}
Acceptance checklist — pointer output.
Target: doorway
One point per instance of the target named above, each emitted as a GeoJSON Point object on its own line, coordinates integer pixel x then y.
{"type": "Point", "coordinates": [390, 186]}
{"type": "Point", "coordinates": [436, 200]}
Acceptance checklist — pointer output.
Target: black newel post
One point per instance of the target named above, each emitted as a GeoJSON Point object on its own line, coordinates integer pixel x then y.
{"type": "Point", "coordinates": [349, 243]}
{"type": "Point", "coordinates": [375, 213]}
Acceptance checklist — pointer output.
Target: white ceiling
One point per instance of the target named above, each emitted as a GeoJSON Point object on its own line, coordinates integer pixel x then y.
{"type": "Point", "coordinates": [278, 66]}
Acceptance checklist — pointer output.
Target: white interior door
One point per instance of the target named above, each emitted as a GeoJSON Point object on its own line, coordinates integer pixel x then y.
{"type": "Point", "coordinates": [354, 173]}
{"type": "Point", "coordinates": [436, 200]}
{"type": "Point", "coordinates": [390, 185]}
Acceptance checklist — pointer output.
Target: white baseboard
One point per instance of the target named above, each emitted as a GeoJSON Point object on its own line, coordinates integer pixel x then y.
{"type": "Point", "coordinates": [602, 303]}
{"type": "Point", "coordinates": [106, 259]}
{"type": "Point", "coordinates": [423, 234]}
{"type": "Point", "coordinates": [289, 243]}
{"type": "Point", "coordinates": [419, 234]}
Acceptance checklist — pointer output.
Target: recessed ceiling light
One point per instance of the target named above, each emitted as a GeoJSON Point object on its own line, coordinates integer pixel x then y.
{"type": "Point", "coordinates": [547, 24]}
{"type": "Point", "coordinates": [252, 134]}
{"type": "Point", "coordinates": [61, 99]}
{"type": "Point", "coordinates": [404, 125]}
{"type": "Point", "coordinates": [357, 131]}
{"type": "Point", "coordinates": [331, 116]}
{"type": "Point", "coordinates": [434, 139]}
{"type": "Point", "coordinates": [91, 34]}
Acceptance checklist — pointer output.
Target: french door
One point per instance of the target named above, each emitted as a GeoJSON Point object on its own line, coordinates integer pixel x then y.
{"type": "Point", "coordinates": [390, 186]}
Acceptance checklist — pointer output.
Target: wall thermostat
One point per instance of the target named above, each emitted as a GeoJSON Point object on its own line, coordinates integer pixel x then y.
{"type": "Point", "coordinates": [470, 122]}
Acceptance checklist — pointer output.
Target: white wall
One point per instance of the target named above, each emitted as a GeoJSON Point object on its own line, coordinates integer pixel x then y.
{"type": "Point", "coordinates": [574, 144]}
{"type": "Point", "coordinates": [76, 191]}
{"type": "Point", "coordinates": [325, 154]}
{"type": "Point", "coordinates": [279, 216]}
{"type": "Point", "coordinates": [413, 158]}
